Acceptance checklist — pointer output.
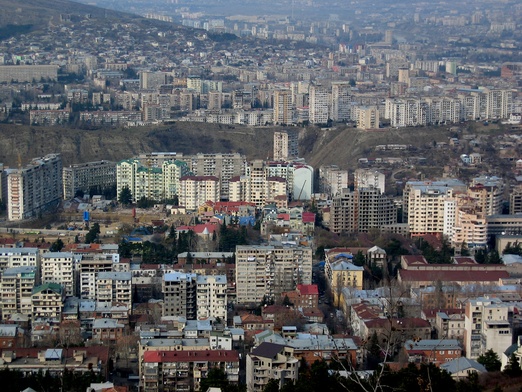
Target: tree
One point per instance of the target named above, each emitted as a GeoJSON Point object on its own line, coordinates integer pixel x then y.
{"type": "Point", "coordinates": [271, 386]}
{"type": "Point", "coordinates": [512, 369]}
{"type": "Point", "coordinates": [92, 235]}
{"type": "Point", "coordinates": [56, 246]}
{"type": "Point", "coordinates": [359, 259]}
{"type": "Point", "coordinates": [125, 196]}
{"type": "Point", "coordinates": [494, 258]}
{"type": "Point", "coordinates": [490, 361]}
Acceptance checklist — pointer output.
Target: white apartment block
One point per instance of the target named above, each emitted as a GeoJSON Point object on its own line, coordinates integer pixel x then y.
{"type": "Point", "coordinates": [19, 257]}
{"type": "Point", "coordinates": [27, 73]}
{"type": "Point", "coordinates": [265, 271]}
{"type": "Point", "coordinates": [364, 178]}
{"type": "Point", "coordinates": [319, 112]}
{"type": "Point", "coordinates": [47, 302]}
{"type": "Point", "coordinates": [89, 265]}
{"type": "Point", "coordinates": [114, 287]}
{"type": "Point", "coordinates": [196, 190]}
{"type": "Point", "coordinates": [34, 188]}
{"type": "Point", "coordinates": [341, 101]}
{"type": "Point", "coordinates": [212, 297]}
{"type": "Point", "coordinates": [16, 285]}
{"type": "Point", "coordinates": [58, 267]}
{"type": "Point", "coordinates": [332, 179]}
{"type": "Point", "coordinates": [487, 327]}
{"type": "Point", "coordinates": [85, 176]}
{"type": "Point", "coordinates": [480, 104]}
{"type": "Point", "coordinates": [150, 180]}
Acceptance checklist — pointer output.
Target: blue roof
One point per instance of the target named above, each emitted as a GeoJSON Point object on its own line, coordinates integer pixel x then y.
{"type": "Point", "coordinates": [345, 255]}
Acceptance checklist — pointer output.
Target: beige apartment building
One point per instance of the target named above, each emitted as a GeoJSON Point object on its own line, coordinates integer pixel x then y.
{"type": "Point", "coordinates": [196, 190]}
{"type": "Point", "coordinates": [16, 286]}
{"type": "Point", "coordinates": [265, 271]}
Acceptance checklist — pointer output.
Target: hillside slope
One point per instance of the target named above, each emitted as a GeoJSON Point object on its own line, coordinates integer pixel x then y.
{"type": "Point", "coordinates": [341, 146]}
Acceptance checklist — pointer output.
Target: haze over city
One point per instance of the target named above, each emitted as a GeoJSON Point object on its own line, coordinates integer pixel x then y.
{"type": "Point", "coordinates": [260, 196]}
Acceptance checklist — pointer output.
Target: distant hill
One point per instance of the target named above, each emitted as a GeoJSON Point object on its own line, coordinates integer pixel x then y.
{"type": "Point", "coordinates": [341, 146]}
{"type": "Point", "coordinates": [25, 16]}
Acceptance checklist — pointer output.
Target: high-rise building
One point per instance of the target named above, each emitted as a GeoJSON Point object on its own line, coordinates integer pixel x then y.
{"type": "Point", "coordinates": [364, 178]}
{"type": "Point", "coordinates": [58, 267]}
{"type": "Point", "coordinates": [265, 271]}
{"type": "Point", "coordinates": [114, 287]}
{"type": "Point", "coordinates": [361, 210]}
{"type": "Point", "coordinates": [86, 176]}
{"type": "Point", "coordinates": [341, 101]}
{"type": "Point", "coordinates": [319, 112]}
{"type": "Point", "coordinates": [286, 145]}
{"type": "Point", "coordinates": [16, 286]}
{"type": "Point", "coordinates": [332, 179]}
{"type": "Point", "coordinates": [196, 190]}
{"type": "Point", "coordinates": [19, 257]}
{"type": "Point", "coordinates": [212, 296]}
{"type": "Point", "coordinates": [34, 188]}
{"type": "Point", "coordinates": [487, 326]}
{"type": "Point", "coordinates": [283, 112]}
{"type": "Point", "coordinates": [179, 295]}
{"type": "Point", "coordinates": [367, 117]}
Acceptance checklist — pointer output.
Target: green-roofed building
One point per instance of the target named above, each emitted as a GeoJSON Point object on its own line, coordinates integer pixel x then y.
{"type": "Point", "coordinates": [47, 302]}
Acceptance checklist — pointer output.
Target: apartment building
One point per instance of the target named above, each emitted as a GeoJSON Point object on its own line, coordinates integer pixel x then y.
{"type": "Point", "coordinates": [286, 145]}
{"type": "Point", "coordinates": [59, 268]}
{"type": "Point", "coordinates": [361, 210]}
{"type": "Point", "coordinates": [265, 271]}
{"type": "Point", "coordinates": [163, 371]}
{"type": "Point", "coordinates": [224, 166]}
{"type": "Point", "coordinates": [16, 286]}
{"type": "Point", "coordinates": [47, 302]}
{"type": "Point", "coordinates": [89, 266]}
{"type": "Point", "coordinates": [19, 257]}
{"type": "Point", "coordinates": [487, 326]}
{"type": "Point", "coordinates": [180, 295]}
{"type": "Point", "coordinates": [283, 107]}
{"type": "Point", "coordinates": [27, 73]}
{"type": "Point", "coordinates": [270, 361]}
{"type": "Point", "coordinates": [470, 226]}
{"type": "Point", "coordinates": [332, 180]}
{"type": "Point", "coordinates": [365, 178]}
{"type": "Point", "coordinates": [196, 190]}
{"type": "Point", "coordinates": [341, 104]}
{"type": "Point", "coordinates": [212, 296]}
{"type": "Point", "coordinates": [86, 176]}
{"type": "Point", "coordinates": [34, 188]}
{"type": "Point", "coordinates": [319, 100]}
{"type": "Point", "coordinates": [453, 185]}
{"type": "Point", "coordinates": [156, 179]}
{"type": "Point", "coordinates": [488, 193]}
{"type": "Point", "coordinates": [114, 287]}
{"type": "Point", "coordinates": [367, 117]}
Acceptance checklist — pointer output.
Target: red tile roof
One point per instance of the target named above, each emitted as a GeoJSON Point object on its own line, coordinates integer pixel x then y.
{"type": "Point", "coordinates": [308, 289]}
{"type": "Point", "coordinates": [473, 275]}
{"type": "Point", "coordinates": [308, 217]}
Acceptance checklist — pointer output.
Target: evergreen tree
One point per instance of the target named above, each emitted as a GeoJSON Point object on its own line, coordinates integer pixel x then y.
{"type": "Point", "coordinates": [490, 361]}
